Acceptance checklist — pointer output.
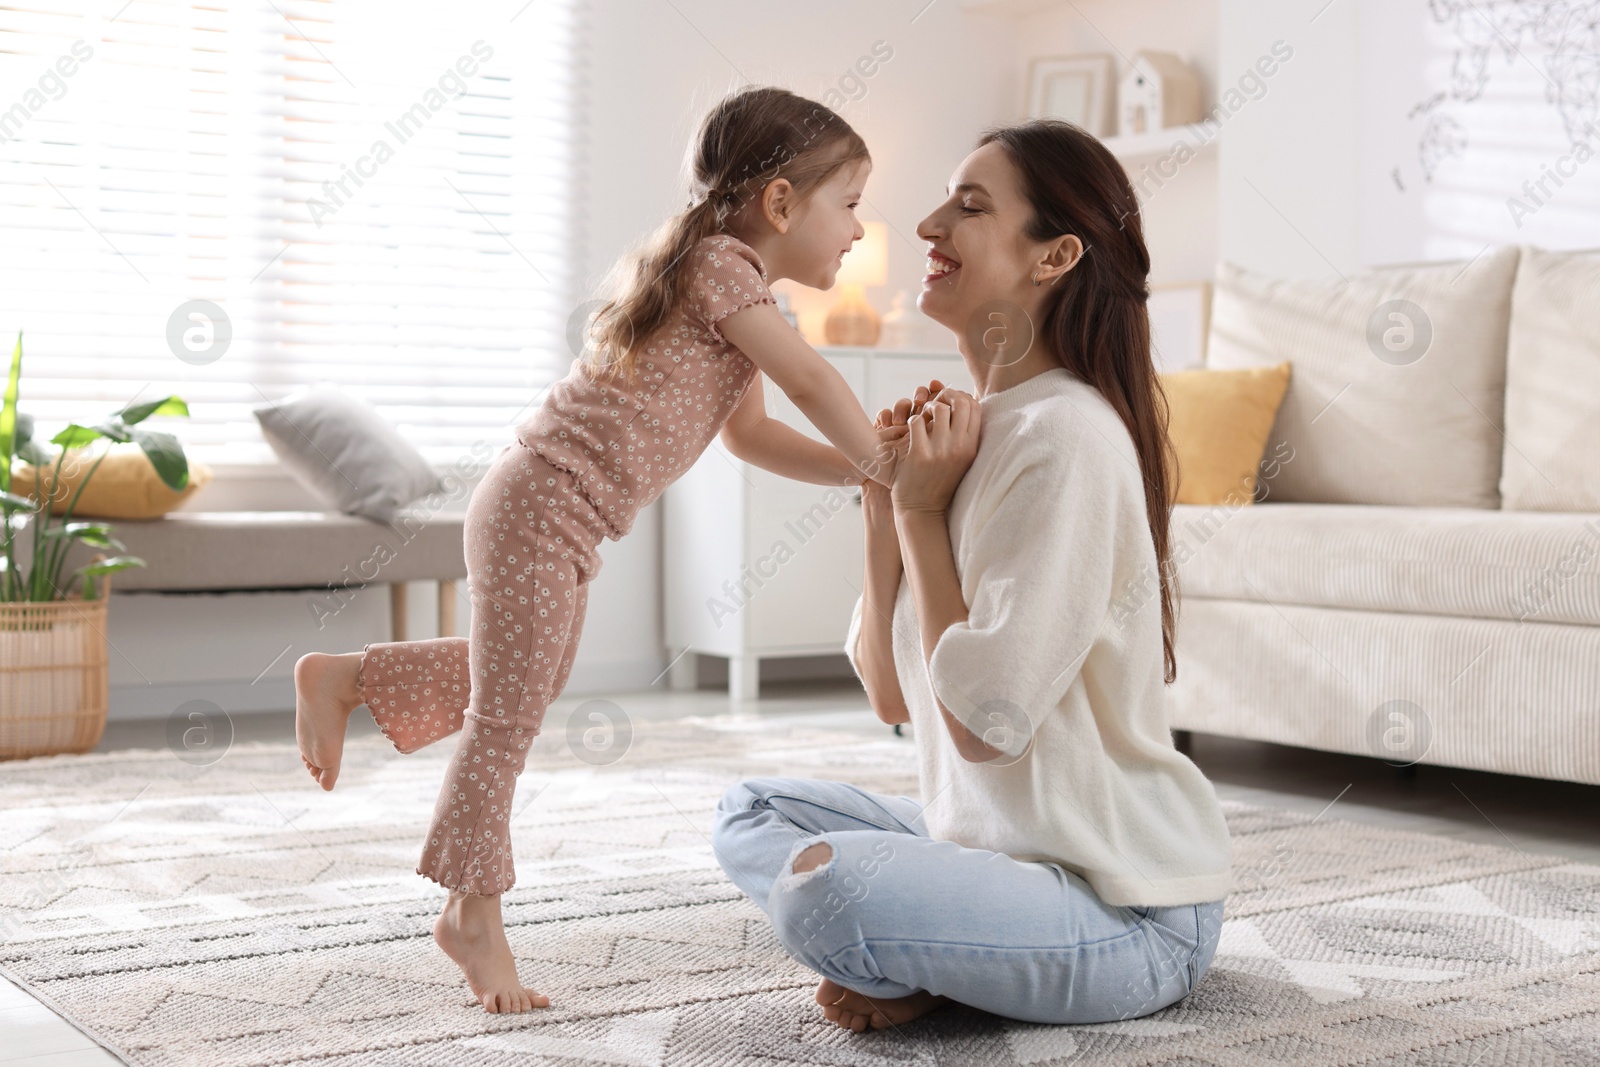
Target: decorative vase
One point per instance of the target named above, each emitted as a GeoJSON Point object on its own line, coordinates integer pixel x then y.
{"type": "Point", "coordinates": [852, 320]}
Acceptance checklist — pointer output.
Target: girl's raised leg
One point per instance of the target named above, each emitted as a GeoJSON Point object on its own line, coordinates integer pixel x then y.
{"type": "Point", "coordinates": [417, 692]}
{"type": "Point", "coordinates": [326, 691]}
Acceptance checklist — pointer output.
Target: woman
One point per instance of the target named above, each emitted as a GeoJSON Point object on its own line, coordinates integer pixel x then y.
{"type": "Point", "coordinates": [1067, 864]}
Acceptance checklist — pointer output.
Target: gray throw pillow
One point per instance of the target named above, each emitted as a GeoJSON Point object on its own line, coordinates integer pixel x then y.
{"type": "Point", "coordinates": [340, 448]}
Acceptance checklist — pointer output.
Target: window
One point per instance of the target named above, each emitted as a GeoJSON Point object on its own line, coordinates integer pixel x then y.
{"type": "Point", "coordinates": [372, 194]}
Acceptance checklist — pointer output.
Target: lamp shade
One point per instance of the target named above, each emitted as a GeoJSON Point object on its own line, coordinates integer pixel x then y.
{"type": "Point", "coordinates": [867, 262]}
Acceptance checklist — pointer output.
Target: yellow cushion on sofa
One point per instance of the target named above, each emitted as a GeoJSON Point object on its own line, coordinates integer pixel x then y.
{"type": "Point", "coordinates": [125, 486]}
{"type": "Point", "coordinates": [1219, 423]}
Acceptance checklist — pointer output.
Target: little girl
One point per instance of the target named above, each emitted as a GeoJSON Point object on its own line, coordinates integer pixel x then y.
{"type": "Point", "coordinates": [777, 179]}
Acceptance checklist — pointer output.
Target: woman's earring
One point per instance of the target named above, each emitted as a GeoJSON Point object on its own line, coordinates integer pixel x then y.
{"type": "Point", "coordinates": [1036, 278]}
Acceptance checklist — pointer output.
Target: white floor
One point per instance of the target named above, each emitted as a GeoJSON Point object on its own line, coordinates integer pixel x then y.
{"type": "Point", "coordinates": [1534, 815]}
{"type": "Point", "coordinates": [33, 1035]}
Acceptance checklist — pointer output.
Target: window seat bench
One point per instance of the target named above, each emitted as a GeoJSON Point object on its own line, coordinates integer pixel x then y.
{"type": "Point", "coordinates": [238, 551]}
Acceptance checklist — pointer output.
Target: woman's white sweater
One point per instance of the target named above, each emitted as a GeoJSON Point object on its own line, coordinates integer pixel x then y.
{"type": "Point", "coordinates": [1059, 663]}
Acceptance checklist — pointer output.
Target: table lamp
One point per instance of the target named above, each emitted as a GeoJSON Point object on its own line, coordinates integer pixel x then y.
{"type": "Point", "coordinates": [852, 320]}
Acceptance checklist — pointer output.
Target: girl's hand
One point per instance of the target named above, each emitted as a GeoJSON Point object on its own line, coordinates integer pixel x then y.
{"type": "Point", "coordinates": [908, 406]}
{"type": "Point", "coordinates": [942, 444]}
{"type": "Point", "coordinates": [876, 505]}
{"type": "Point", "coordinates": [892, 438]}
{"type": "Point", "coordinates": [878, 512]}
{"type": "Point", "coordinates": [924, 393]}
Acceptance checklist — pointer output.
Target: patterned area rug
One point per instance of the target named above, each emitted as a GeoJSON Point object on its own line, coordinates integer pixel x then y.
{"type": "Point", "coordinates": [234, 914]}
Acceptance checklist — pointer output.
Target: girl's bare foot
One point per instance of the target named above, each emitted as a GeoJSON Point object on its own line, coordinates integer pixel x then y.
{"type": "Point", "coordinates": [471, 933]}
{"type": "Point", "coordinates": [325, 693]}
{"type": "Point", "coordinates": [856, 1013]}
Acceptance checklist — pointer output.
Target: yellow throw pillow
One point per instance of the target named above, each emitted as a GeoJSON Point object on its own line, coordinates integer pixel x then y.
{"type": "Point", "coordinates": [1219, 423]}
{"type": "Point", "coordinates": [125, 486]}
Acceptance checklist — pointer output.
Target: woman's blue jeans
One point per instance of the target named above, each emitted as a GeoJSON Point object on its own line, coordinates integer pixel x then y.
{"type": "Point", "coordinates": [892, 911]}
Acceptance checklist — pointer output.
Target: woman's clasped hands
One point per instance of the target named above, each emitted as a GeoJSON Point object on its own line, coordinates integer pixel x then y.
{"type": "Point", "coordinates": [935, 435]}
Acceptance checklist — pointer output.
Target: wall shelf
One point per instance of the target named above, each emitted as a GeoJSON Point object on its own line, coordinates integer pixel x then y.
{"type": "Point", "coordinates": [1014, 8]}
{"type": "Point", "coordinates": [1145, 146]}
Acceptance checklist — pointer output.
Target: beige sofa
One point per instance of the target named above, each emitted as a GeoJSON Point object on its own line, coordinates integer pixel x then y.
{"type": "Point", "coordinates": [1419, 579]}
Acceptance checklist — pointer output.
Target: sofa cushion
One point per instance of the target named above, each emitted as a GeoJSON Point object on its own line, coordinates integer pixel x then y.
{"type": "Point", "coordinates": [1435, 561]}
{"type": "Point", "coordinates": [1218, 423]}
{"type": "Point", "coordinates": [1552, 458]}
{"type": "Point", "coordinates": [1389, 403]}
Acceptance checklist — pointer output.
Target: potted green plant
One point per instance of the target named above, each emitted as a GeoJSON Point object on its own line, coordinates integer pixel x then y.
{"type": "Point", "coordinates": [53, 661]}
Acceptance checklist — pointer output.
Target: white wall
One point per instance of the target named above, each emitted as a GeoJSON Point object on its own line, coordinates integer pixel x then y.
{"type": "Point", "coordinates": [1451, 164]}
{"type": "Point", "coordinates": [1324, 175]}
{"type": "Point", "coordinates": [1289, 195]}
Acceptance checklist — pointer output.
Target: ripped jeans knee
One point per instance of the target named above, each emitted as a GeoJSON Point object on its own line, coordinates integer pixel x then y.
{"type": "Point", "coordinates": [820, 899]}
{"type": "Point", "coordinates": [809, 858]}
{"type": "Point", "coordinates": [827, 903]}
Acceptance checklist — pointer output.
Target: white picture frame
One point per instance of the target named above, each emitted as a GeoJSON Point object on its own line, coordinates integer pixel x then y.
{"type": "Point", "coordinates": [1180, 322]}
{"type": "Point", "coordinates": [1078, 89]}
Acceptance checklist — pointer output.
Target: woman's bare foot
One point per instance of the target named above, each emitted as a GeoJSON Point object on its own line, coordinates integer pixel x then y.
{"type": "Point", "coordinates": [471, 933]}
{"type": "Point", "coordinates": [856, 1013]}
{"type": "Point", "coordinates": [325, 693]}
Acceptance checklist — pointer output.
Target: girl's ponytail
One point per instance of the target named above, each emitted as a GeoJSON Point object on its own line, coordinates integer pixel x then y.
{"type": "Point", "coordinates": [650, 292]}
{"type": "Point", "coordinates": [748, 140]}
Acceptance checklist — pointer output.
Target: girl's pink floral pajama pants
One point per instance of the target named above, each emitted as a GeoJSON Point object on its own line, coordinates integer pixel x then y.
{"type": "Point", "coordinates": [531, 540]}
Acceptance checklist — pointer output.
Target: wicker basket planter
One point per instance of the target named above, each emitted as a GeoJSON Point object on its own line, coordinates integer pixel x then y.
{"type": "Point", "coordinates": [53, 676]}
{"type": "Point", "coordinates": [54, 684]}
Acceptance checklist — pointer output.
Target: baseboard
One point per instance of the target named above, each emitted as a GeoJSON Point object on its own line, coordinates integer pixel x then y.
{"type": "Point", "coordinates": [277, 694]}
{"type": "Point", "coordinates": [162, 700]}
{"type": "Point", "coordinates": [617, 676]}
{"type": "Point", "coordinates": [712, 671]}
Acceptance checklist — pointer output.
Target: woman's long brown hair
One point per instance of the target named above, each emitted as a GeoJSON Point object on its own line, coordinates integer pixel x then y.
{"type": "Point", "coordinates": [1098, 322]}
{"type": "Point", "coordinates": [748, 140]}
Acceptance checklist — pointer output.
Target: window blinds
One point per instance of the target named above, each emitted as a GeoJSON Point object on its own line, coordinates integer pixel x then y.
{"type": "Point", "coordinates": [228, 201]}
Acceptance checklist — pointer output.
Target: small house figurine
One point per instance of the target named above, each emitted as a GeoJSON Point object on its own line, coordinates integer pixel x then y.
{"type": "Point", "coordinates": [1159, 90]}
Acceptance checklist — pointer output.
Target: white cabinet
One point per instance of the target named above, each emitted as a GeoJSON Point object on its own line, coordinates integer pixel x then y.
{"type": "Point", "coordinates": [756, 565]}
